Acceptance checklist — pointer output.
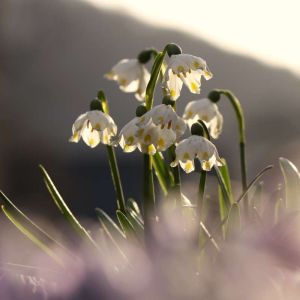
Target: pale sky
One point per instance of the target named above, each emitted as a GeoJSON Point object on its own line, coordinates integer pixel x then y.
{"type": "Point", "coordinates": [268, 30]}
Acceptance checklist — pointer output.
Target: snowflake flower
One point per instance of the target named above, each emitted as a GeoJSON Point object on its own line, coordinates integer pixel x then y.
{"type": "Point", "coordinates": [156, 130]}
{"type": "Point", "coordinates": [132, 77]}
{"type": "Point", "coordinates": [196, 147]}
{"type": "Point", "coordinates": [94, 127]}
{"type": "Point", "coordinates": [187, 69]}
{"type": "Point", "coordinates": [206, 111]}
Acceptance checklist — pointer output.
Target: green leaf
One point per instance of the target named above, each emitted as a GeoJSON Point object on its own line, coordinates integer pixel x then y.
{"type": "Point", "coordinates": [225, 197]}
{"type": "Point", "coordinates": [226, 177]}
{"type": "Point", "coordinates": [27, 223]}
{"type": "Point", "coordinates": [253, 182]}
{"type": "Point", "coordinates": [132, 204]}
{"type": "Point", "coordinates": [30, 235]}
{"type": "Point", "coordinates": [136, 223]}
{"type": "Point", "coordinates": [153, 79]}
{"type": "Point", "coordinates": [112, 230]}
{"type": "Point", "coordinates": [163, 173]}
{"type": "Point", "coordinates": [233, 223]}
{"type": "Point", "coordinates": [109, 226]}
{"type": "Point", "coordinates": [292, 183]}
{"type": "Point", "coordinates": [64, 209]}
{"type": "Point", "coordinates": [126, 225]}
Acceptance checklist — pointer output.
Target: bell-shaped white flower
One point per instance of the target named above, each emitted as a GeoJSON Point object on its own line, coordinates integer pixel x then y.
{"type": "Point", "coordinates": [165, 116]}
{"type": "Point", "coordinates": [187, 69]}
{"type": "Point", "coordinates": [156, 130]}
{"type": "Point", "coordinates": [208, 112]}
{"type": "Point", "coordinates": [196, 147]}
{"type": "Point", "coordinates": [132, 77]}
{"type": "Point", "coordinates": [94, 127]}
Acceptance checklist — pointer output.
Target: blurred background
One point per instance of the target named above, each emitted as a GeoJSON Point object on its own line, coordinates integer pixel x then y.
{"type": "Point", "coordinates": [53, 54]}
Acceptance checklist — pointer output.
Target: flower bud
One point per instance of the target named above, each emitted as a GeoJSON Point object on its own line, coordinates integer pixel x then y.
{"type": "Point", "coordinates": [167, 101]}
{"type": "Point", "coordinates": [197, 129]}
{"type": "Point", "coordinates": [145, 56]}
{"type": "Point", "coordinates": [95, 104]}
{"type": "Point", "coordinates": [173, 49]}
{"type": "Point", "coordinates": [101, 95]}
{"type": "Point", "coordinates": [214, 96]}
{"type": "Point", "coordinates": [140, 110]}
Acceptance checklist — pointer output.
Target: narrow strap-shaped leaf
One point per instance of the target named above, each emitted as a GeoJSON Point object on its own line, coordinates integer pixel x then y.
{"type": "Point", "coordinates": [292, 183]}
{"type": "Point", "coordinates": [132, 204]}
{"type": "Point", "coordinates": [112, 230]}
{"type": "Point", "coordinates": [109, 225]}
{"type": "Point", "coordinates": [226, 176]}
{"type": "Point", "coordinates": [36, 240]}
{"type": "Point", "coordinates": [225, 193]}
{"type": "Point", "coordinates": [253, 182]}
{"type": "Point", "coordinates": [163, 173]}
{"type": "Point", "coordinates": [27, 223]}
{"type": "Point", "coordinates": [233, 223]}
{"type": "Point", "coordinates": [153, 79]}
{"type": "Point", "coordinates": [136, 224]}
{"type": "Point", "coordinates": [64, 209]}
{"type": "Point", "coordinates": [209, 237]}
{"type": "Point", "coordinates": [126, 225]}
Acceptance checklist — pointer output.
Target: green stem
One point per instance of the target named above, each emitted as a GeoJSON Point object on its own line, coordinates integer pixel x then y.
{"type": "Point", "coordinates": [154, 78]}
{"type": "Point", "coordinates": [176, 174]}
{"type": "Point", "coordinates": [113, 160]}
{"type": "Point", "coordinates": [201, 191]}
{"type": "Point", "coordinates": [242, 137]}
{"type": "Point", "coordinates": [149, 196]}
{"type": "Point", "coordinates": [116, 178]}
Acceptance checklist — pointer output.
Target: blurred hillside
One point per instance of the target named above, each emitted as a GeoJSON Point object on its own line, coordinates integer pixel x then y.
{"type": "Point", "coordinates": [53, 56]}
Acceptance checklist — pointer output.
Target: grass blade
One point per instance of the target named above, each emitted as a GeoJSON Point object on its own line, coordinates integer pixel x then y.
{"type": "Point", "coordinates": [126, 225]}
{"type": "Point", "coordinates": [36, 240]}
{"type": "Point", "coordinates": [27, 223]}
{"type": "Point", "coordinates": [253, 182]}
{"type": "Point", "coordinates": [64, 209]}
{"type": "Point", "coordinates": [292, 183]}
{"type": "Point", "coordinates": [163, 173]}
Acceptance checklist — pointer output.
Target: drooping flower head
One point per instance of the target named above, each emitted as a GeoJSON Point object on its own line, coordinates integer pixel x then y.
{"type": "Point", "coordinates": [187, 69]}
{"type": "Point", "coordinates": [156, 130]}
{"type": "Point", "coordinates": [94, 127]}
{"type": "Point", "coordinates": [165, 116]}
{"type": "Point", "coordinates": [198, 147]}
{"type": "Point", "coordinates": [132, 77]}
{"type": "Point", "coordinates": [208, 112]}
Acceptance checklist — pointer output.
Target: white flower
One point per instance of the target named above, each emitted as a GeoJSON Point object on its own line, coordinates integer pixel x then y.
{"type": "Point", "coordinates": [132, 77]}
{"type": "Point", "coordinates": [196, 147]}
{"type": "Point", "coordinates": [187, 69]}
{"type": "Point", "coordinates": [165, 116]}
{"type": "Point", "coordinates": [206, 111]}
{"type": "Point", "coordinates": [156, 130]}
{"type": "Point", "coordinates": [94, 127]}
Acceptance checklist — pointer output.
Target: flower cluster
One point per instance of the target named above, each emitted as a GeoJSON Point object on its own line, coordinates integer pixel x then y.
{"type": "Point", "coordinates": [160, 127]}
{"type": "Point", "coordinates": [156, 130]}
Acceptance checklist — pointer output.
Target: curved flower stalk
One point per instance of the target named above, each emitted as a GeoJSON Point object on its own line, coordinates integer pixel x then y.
{"type": "Point", "coordinates": [94, 127]}
{"type": "Point", "coordinates": [208, 112]}
{"type": "Point", "coordinates": [132, 77]}
{"type": "Point", "coordinates": [187, 69]}
{"type": "Point", "coordinates": [156, 130]}
{"type": "Point", "coordinates": [196, 147]}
